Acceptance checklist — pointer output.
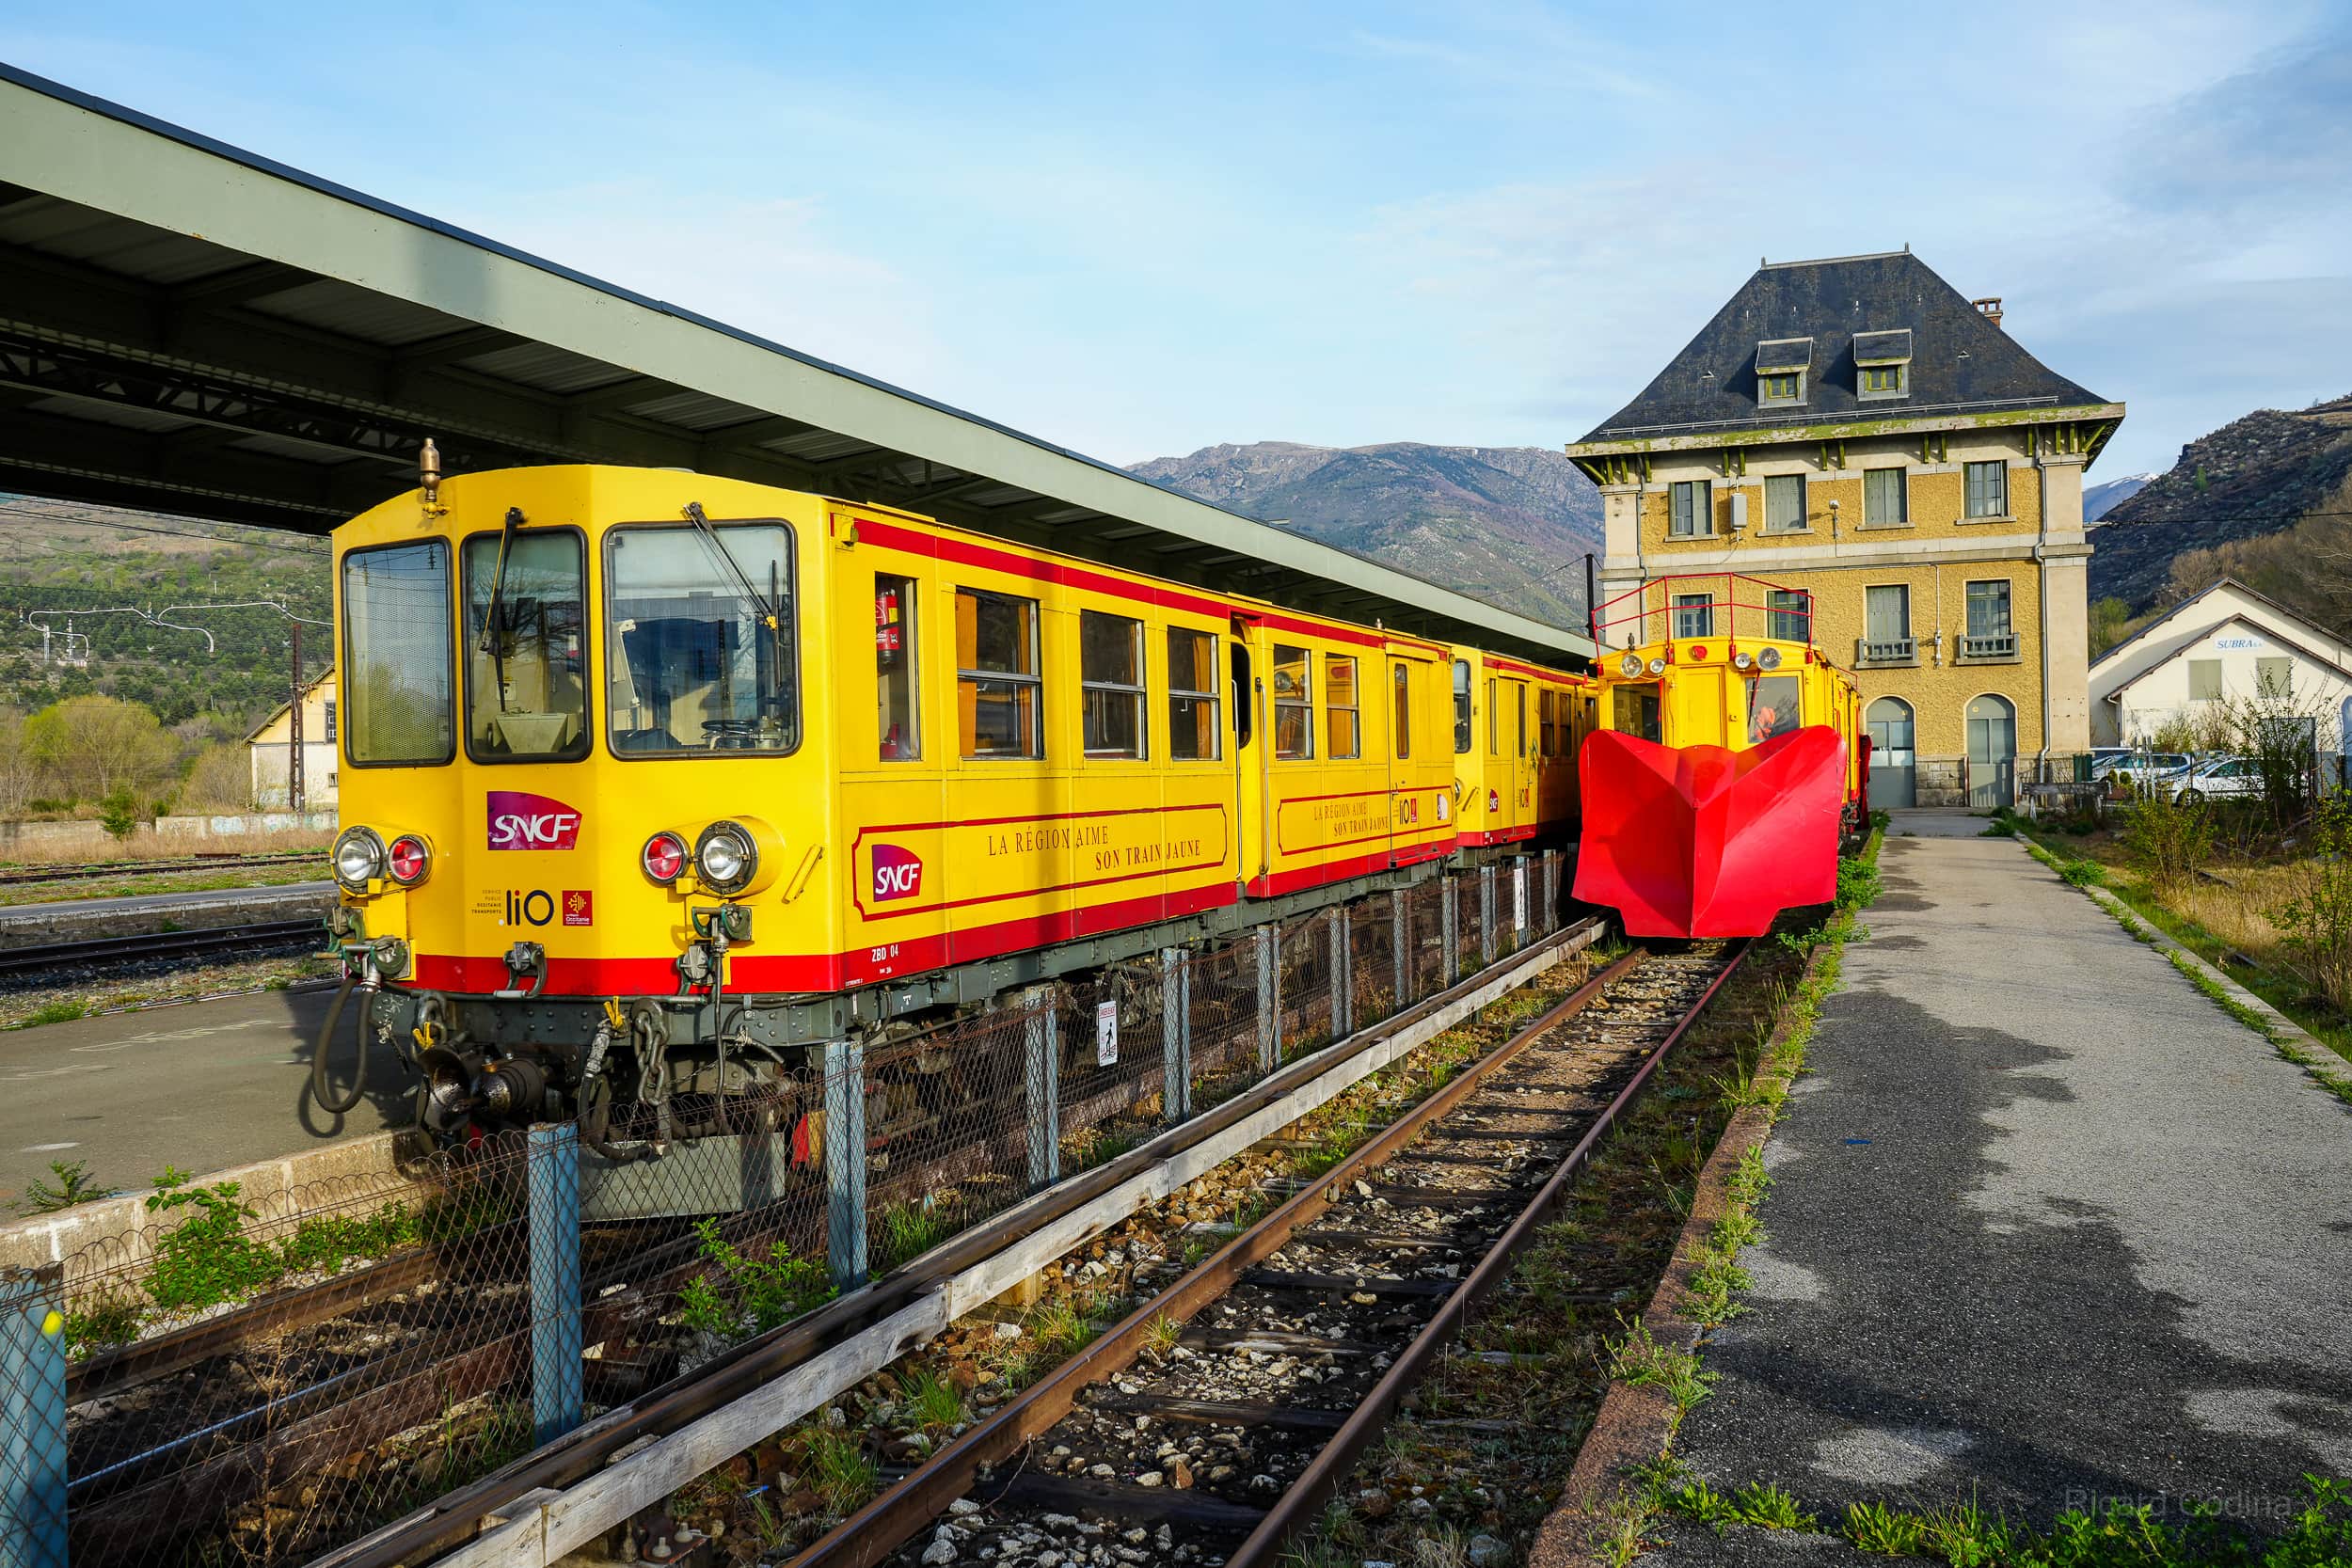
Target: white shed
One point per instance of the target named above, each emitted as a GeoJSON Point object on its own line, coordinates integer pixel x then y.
{"type": "Point", "coordinates": [2225, 643]}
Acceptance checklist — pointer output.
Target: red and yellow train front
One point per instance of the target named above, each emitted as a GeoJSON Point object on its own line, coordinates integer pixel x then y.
{"type": "Point", "coordinates": [1723, 774]}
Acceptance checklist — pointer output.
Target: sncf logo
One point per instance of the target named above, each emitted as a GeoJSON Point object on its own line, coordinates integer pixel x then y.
{"type": "Point", "coordinates": [522, 820]}
{"type": "Point", "coordinates": [897, 873]}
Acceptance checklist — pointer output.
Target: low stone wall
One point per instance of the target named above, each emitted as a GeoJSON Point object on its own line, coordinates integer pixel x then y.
{"type": "Point", "coordinates": [33, 925]}
{"type": "Point", "coordinates": [49, 840]}
{"type": "Point", "coordinates": [91, 1239]}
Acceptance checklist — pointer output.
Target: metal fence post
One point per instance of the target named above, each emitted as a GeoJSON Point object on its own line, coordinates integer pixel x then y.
{"type": "Point", "coordinates": [32, 1425]}
{"type": "Point", "coordinates": [1487, 914]}
{"type": "Point", "coordinates": [1400, 950]}
{"type": "Point", "coordinates": [1175, 1070]}
{"type": "Point", "coordinates": [1450, 927]}
{"type": "Point", "coordinates": [1551, 889]}
{"type": "Point", "coordinates": [1519, 901]}
{"type": "Point", "coordinates": [1341, 993]}
{"type": "Point", "coordinates": [556, 1371]}
{"type": "Point", "coordinates": [1042, 1076]}
{"type": "Point", "coordinates": [845, 1161]}
{"type": "Point", "coordinates": [1269, 997]}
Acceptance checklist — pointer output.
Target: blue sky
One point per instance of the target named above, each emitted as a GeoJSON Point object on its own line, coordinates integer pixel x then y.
{"type": "Point", "coordinates": [1137, 231]}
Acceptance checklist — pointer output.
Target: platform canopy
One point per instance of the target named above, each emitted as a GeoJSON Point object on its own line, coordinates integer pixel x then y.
{"type": "Point", "coordinates": [188, 328]}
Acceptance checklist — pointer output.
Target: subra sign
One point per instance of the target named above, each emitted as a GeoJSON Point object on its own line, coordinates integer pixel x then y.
{"type": "Point", "coordinates": [522, 820]}
{"type": "Point", "coordinates": [897, 873]}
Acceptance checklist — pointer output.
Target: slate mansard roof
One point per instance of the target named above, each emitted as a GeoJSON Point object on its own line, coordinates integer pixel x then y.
{"type": "Point", "coordinates": [1889, 306]}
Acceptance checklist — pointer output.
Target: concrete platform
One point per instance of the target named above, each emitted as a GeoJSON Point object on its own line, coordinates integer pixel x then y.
{"type": "Point", "coordinates": [2048, 1228]}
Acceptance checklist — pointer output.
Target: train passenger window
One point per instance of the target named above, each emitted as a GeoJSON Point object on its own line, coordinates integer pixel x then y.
{"type": "Point", "coordinates": [1293, 704]}
{"type": "Point", "coordinates": [1637, 711]}
{"type": "Point", "coordinates": [1771, 707]}
{"type": "Point", "coordinates": [894, 720]}
{"type": "Point", "coordinates": [701, 645]}
{"type": "Point", "coordinates": [1245, 698]}
{"type": "Point", "coordinates": [1494, 721]}
{"type": "Point", "coordinates": [1110, 678]}
{"type": "Point", "coordinates": [1518, 692]}
{"type": "Point", "coordinates": [997, 684]}
{"type": "Point", "coordinates": [396, 655]}
{"type": "Point", "coordinates": [526, 676]}
{"type": "Point", "coordinates": [1343, 725]}
{"type": "Point", "coordinates": [1461, 707]}
{"type": "Point", "coordinates": [1193, 735]}
{"type": "Point", "coordinates": [1401, 677]}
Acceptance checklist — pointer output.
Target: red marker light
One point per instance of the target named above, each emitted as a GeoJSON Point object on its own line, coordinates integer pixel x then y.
{"type": "Point", "coordinates": [664, 858]}
{"type": "Point", "coordinates": [1698, 650]}
{"type": "Point", "coordinates": [406, 860]}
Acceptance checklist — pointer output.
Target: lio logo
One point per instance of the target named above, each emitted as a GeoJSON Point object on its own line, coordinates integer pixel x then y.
{"type": "Point", "coordinates": [897, 873]}
{"type": "Point", "coordinates": [522, 820]}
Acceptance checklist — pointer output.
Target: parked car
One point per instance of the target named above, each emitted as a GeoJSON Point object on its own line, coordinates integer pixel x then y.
{"type": "Point", "coordinates": [2219, 778]}
{"type": "Point", "coordinates": [2141, 772]}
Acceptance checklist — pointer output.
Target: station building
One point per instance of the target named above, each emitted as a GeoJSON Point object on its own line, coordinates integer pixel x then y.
{"type": "Point", "coordinates": [1855, 446]}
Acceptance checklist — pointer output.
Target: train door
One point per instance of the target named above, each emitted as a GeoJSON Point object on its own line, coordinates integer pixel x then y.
{"type": "Point", "coordinates": [1421, 764]}
{"type": "Point", "coordinates": [1518, 781]}
{"type": "Point", "coordinates": [892, 759]}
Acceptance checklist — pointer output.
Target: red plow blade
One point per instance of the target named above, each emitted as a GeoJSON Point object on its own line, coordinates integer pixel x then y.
{"type": "Point", "coordinates": [1707, 842]}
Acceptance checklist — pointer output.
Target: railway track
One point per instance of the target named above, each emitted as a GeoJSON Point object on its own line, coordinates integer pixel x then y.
{"type": "Point", "coordinates": [11, 876]}
{"type": "Point", "coordinates": [1214, 1423]}
{"type": "Point", "coordinates": [55, 960]}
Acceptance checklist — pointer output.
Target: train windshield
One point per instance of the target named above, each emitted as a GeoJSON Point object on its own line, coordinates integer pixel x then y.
{"type": "Point", "coordinates": [1636, 712]}
{"type": "Point", "coordinates": [396, 655]}
{"type": "Point", "coordinates": [695, 666]}
{"type": "Point", "coordinates": [526, 691]}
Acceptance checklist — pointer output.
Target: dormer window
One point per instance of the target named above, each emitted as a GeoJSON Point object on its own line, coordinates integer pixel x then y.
{"type": "Point", "coordinates": [1781, 364]}
{"type": "Point", "coordinates": [1882, 364]}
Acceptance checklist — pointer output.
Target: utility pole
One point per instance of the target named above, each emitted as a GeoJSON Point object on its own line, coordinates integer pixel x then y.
{"type": "Point", "coordinates": [293, 745]}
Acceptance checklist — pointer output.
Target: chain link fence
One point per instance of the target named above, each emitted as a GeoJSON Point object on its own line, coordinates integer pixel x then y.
{"type": "Point", "coordinates": [254, 1384]}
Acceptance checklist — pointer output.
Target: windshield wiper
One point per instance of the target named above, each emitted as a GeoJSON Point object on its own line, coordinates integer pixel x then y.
{"type": "Point", "coordinates": [490, 644]}
{"type": "Point", "coordinates": [768, 611]}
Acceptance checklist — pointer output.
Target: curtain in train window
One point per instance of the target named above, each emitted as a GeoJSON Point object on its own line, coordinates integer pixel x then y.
{"type": "Point", "coordinates": [1343, 723]}
{"type": "Point", "coordinates": [1401, 677]}
{"type": "Point", "coordinates": [1293, 703]}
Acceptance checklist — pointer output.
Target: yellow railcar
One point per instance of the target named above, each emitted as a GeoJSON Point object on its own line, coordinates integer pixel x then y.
{"type": "Point", "coordinates": [631, 749]}
{"type": "Point", "coordinates": [1515, 731]}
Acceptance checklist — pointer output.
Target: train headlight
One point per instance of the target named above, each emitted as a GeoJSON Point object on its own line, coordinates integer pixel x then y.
{"type": "Point", "coordinates": [359, 858]}
{"type": "Point", "coordinates": [665, 858]}
{"type": "Point", "coordinates": [1630, 666]}
{"type": "Point", "coordinates": [1741, 661]}
{"type": "Point", "coordinates": [726, 857]}
{"type": "Point", "coordinates": [408, 860]}
{"type": "Point", "coordinates": [1657, 666]}
{"type": "Point", "coordinates": [1768, 658]}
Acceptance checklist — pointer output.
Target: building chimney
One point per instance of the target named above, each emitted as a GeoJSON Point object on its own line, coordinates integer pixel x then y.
{"type": "Point", "coordinates": [1990, 306]}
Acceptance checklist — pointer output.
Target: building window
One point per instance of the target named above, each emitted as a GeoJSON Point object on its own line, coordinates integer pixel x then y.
{"type": "Point", "coordinates": [1989, 635]}
{"type": "Point", "coordinates": [2204, 680]}
{"type": "Point", "coordinates": [1788, 615]}
{"type": "Point", "coordinates": [329, 736]}
{"type": "Point", "coordinates": [896, 737]}
{"type": "Point", "coordinates": [1193, 735]}
{"type": "Point", "coordinates": [1783, 503]}
{"type": "Point", "coordinates": [1343, 728]}
{"type": "Point", "coordinates": [1694, 509]}
{"type": "Point", "coordinates": [1110, 677]}
{"type": "Point", "coordinates": [1695, 614]}
{"type": "Point", "coordinates": [1988, 489]}
{"type": "Point", "coordinates": [1293, 704]}
{"type": "Point", "coordinates": [997, 683]}
{"type": "Point", "coordinates": [1783, 387]}
{"type": "Point", "coordinates": [1461, 707]}
{"type": "Point", "coordinates": [1883, 381]}
{"type": "Point", "coordinates": [1887, 621]}
{"type": "Point", "coordinates": [1886, 498]}
{"type": "Point", "coordinates": [1401, 679]}
{"type": "Point", "coordinates": [2273, 677]}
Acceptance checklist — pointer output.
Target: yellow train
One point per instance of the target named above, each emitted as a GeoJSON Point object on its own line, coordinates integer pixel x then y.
{"type": "Point", "coordinates": [620, 746]}
{"type": "Point", "coordinates": [1729, 763]}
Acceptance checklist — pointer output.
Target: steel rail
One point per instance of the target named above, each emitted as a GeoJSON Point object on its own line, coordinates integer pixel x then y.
{"type": "Point", "coordinates": [11, 876]}
{"type": "Point", "coordinates": [876, 1530]}
{"type": "Point", "coordinates": [457, 1516]}
{"type": "Point", "coordinates": [155, 946]}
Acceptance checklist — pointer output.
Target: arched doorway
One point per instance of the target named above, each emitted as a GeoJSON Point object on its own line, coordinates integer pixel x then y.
{"type": "Point", "coordinates": [1894, 765]}
{"type": "Point", "coordinates": [1991, 752]}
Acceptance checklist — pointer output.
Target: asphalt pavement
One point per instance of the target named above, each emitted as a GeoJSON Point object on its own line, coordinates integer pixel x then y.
{"type": "Point", "coordinates": [199, 1085]}
{"type": "Point", "coordinates": [2048, 1230]}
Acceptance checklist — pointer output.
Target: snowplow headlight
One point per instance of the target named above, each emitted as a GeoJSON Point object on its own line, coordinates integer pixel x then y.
{"type": "Point", "coordinates": [1768, 658]}
{"type": "Point", "coordinates": [1630, 665]}
{"type": "Point", "coordinates": [1657, 666]}
{"type": "Point", "coordinates": [1741, 661]}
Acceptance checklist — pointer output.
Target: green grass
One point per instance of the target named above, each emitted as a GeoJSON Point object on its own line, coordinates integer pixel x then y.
{"type": "Point", "coordinates": [934, 1401]}
{"type": "Point", "coordinates": [911, 1229]}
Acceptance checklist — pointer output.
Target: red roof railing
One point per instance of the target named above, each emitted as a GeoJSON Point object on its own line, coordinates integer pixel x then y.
{"type": "Point", "coordinates": [1768, 615]}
